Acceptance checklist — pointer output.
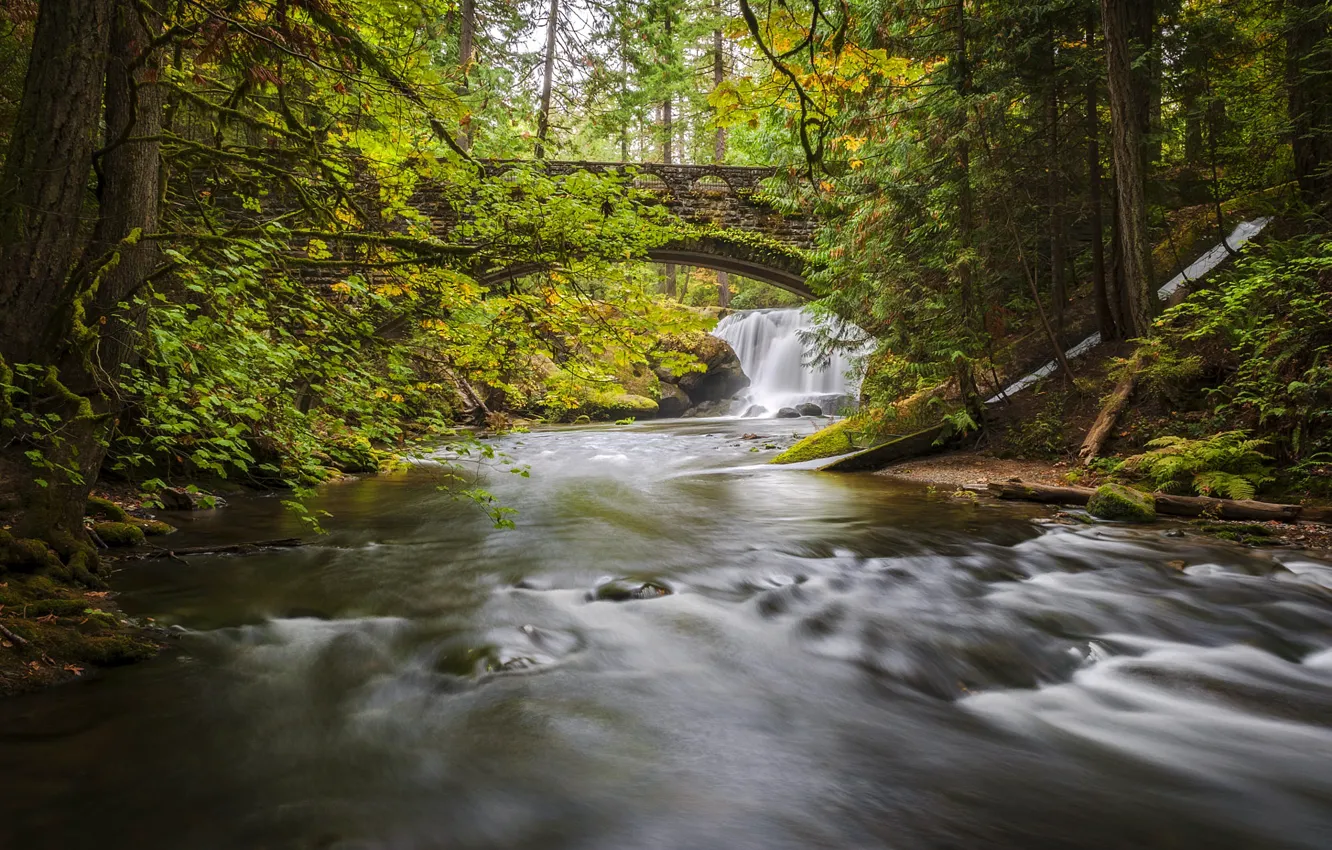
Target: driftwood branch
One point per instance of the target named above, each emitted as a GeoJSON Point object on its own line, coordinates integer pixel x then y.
{"type": "Point", "coordinates": [230, 549]}
{"type": "Point", "coordinates": [10, 636]}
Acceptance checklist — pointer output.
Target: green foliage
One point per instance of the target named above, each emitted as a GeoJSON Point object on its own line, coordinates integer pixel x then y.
{"type": "Point", "coordinates": [1164, 371]}
{"type": "Point", "coordinates": [1228, 465]}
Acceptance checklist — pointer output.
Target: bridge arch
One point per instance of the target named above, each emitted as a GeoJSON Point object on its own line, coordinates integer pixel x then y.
{"type": "Point", "coordinates": [783, 270]}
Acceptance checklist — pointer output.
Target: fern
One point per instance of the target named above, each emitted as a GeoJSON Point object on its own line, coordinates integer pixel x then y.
{"type": "Point", "coordinates": [1229, 465]}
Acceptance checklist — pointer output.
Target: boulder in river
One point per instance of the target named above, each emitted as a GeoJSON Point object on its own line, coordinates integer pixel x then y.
{"type": "Point", "coordinates": [809, 408]}
{"type": "Point", "coordinates": [721, 378]}
{"type": "Point", "coordinates": [624, 590]}
{"type": "Point", "coordinates": [673, 403]}
{"type": "Point", "coordinates": [788, 413]}
{"type": "Point", "coordinates": [1117, 502]}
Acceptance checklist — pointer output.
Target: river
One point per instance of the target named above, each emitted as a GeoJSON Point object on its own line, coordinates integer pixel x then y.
{"type": "Point", "coordinates": [842, 662]}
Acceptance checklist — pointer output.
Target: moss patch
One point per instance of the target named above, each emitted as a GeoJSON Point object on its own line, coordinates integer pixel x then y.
{"type": "Point", "coordinates": [119, 533]}
{"type": "Point", "coordinates": [152, 527]}
{"type": "Point", "coordinates": [53, 633]}
{"type": "Point", "coordinates": [105, 509]}
{"type": "Point", "coordinates": [1117, 502]}
{"type": "Point", "coordinates": [25, 555]}
{"type": "Point", "coordinates": [610, 405]}
{"type": "Point", "coordinates": [838, 438]}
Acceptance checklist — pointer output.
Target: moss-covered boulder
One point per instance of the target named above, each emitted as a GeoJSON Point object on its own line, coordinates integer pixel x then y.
{"type": "Point", "coordinates": [721, 377]}
{"type": "Point", "coordinates": [838, 438]}
{"type": "Point", "coordinates": [105, 509]}
{"type": "Point", "coordinates": [26, 555]}
{"type": "Point", "coordinates": [152, 527]}
{"type": "Point", "coordinates": [1117, 502]}
{"type": "Point", "coordinates": [115, 534]}
{"type": "Point", "coordinates": [611, 405]}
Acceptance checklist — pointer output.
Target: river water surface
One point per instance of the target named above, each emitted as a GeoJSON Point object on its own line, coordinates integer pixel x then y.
{"type": "Point", "coordinates": [843, 662]}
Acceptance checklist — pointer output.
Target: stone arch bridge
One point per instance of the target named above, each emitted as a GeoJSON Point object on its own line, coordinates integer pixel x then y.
{"type": "Point", "coordinates": [724, 196]}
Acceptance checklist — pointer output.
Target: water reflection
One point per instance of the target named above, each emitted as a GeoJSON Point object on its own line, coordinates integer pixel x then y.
{"type": "Point", "coordinates": [841, 663]}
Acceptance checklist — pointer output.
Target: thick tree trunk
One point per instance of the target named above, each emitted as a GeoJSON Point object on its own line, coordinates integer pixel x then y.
{"type": "Point", "coordinates": [1309, 95]}
{"type": "Point", "coordinates": [1101, 295]}
{"type": "Point", "coordinates": [42, 195]}
{"type": "Point", "coordinates": [547, 79]}
{"type": "Point", "coordinates": [45, 181]}
{"type": "Point", "coordinates": [1123, 22]}
{"type": "Point", "coordinates": [89, 345]}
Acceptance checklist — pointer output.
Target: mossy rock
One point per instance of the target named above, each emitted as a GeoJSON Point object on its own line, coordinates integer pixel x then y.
{"type": "Point", "coordinates": [115, 534]}
{"type": "Point", "coordinates": [105, 509]}
{"type": "Point", "coordinates": [114, 650]}
{"type": "Point", "coordinates": [837, 439]}
{"type": "Point", "coordinates": [27, 555]}
{"type": "Point", "coordinates": [1124, 504]}
{"type": "Point", "coordinates": [152, 527]}
{"type": "Point", "coordinates": [625, 590]}
{"type": "Point", "coordinates": [612, 406]}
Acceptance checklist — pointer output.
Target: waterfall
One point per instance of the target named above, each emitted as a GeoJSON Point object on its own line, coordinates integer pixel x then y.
{"type": "Point", "coordinates": [772, 352]}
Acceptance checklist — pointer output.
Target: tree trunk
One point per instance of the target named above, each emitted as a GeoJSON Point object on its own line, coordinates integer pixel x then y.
{"type": "Point", "coordinates": [466, 42]}
{"type": "Point", "coordinates": [1309, 96]}
{"type": "Point", "coordinates": [719, 142]}
{"type": "Point", "coordinates": [1055, 195]}
{"type": "Point", "coordinates": [547, 79]}
{"type": "Point", "coordinates": [1105, 317]}
{"type": "Point", "coordinates": [966, 379]}
{"type": "Point", "coordinates": [718, 77]}
{"type": "Point", "coordinates": [45, 181]}
{"type": "Point", "coordinates": [1123, 22]}
{"type": "Point", "coordinates": [42, 195]}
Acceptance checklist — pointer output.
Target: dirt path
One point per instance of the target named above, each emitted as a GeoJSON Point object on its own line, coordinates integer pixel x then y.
{"type": "Point", "coordinates": [958, 468]}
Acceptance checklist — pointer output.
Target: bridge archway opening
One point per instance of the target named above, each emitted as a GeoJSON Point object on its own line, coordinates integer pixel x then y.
{"type": "Point", "coordinates": [711, 184]}
{"type": "Point", "coordinates": [782, 278]}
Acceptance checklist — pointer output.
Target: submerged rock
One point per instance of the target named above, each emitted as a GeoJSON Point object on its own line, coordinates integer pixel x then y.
{"type": "Point", "coordinates": [1117, 502]}
{"type": "Point", "coordinates": [624, 590]}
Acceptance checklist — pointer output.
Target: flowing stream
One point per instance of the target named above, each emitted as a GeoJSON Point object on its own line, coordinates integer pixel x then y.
{"type": "Point", "coordinates": [842, 662]}
{"type": "Point", "coordinates": [773, 352]}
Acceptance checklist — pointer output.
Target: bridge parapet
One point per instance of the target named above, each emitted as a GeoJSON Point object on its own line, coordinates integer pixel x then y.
{"type": "Point", "coordinates": [722, 195]}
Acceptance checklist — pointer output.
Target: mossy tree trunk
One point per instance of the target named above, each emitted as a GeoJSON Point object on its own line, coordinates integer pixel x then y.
{"type": "Point", "coordinates": [63, 338]}
{"type": "Point", "coordinates": [1128, 26]}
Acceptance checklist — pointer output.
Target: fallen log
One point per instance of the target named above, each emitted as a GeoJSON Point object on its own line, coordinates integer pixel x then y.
{"type": "Point", "coordinates": [1185, 506]}
{"type": "Point", "coordinates": [229, 549]}
{"type": "Point", "coordinates": [1105, 423]}
{"type": "Point", "coordinates": [1045, 493]}
{"type": "Point", "coordinates": [1242, 509]}
{"type": "Point", "coordinates": [1317, 515]}
{"type": "Point", "coordinates": [930, 441]}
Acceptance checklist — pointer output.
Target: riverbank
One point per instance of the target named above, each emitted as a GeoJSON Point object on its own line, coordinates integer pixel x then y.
{"type": "Point", "coordinates": [966, 471]}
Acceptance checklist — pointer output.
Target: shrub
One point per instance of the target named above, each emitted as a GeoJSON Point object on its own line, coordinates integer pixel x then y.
{"type": "Point", "coordinates": [1228, 465]}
